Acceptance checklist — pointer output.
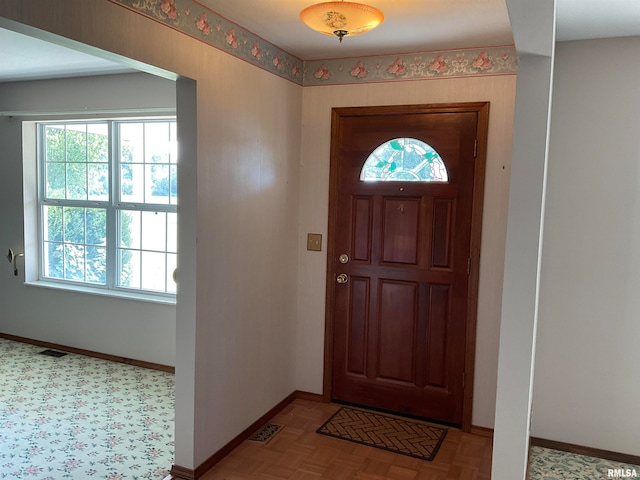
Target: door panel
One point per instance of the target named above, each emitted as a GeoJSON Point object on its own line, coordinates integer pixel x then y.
{"type": "Point", "coordinates": [358, 321]}
{"type": "Point", "coordinates": [442, 234]}
{"type": "Point", "coordinates": [400, 230]}
{"type": "Point", "coordinates": [439, 298]}
{"type": "Point", "coordinates": [400, 321]}
{"type": "Point", "coordinates": [362, 212]}
{"type": "Point", "coordinates": [396, 334]}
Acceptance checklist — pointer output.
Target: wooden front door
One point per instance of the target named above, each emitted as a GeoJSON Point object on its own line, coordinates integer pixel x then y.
{"type": "Point", "coordinates": [401, 255]}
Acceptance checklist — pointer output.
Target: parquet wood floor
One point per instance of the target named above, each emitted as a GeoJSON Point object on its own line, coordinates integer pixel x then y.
{"type": "Point", "coordinates": [298, 453]}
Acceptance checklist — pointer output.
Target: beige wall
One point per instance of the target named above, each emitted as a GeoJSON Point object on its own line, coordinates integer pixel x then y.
{"type": "Point", "coordinates": [249, 130]}
{"type": "Point", "coordinates": [314, 191]}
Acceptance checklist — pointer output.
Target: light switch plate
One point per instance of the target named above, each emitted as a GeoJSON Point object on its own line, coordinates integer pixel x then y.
{"type": "Point", "coordinates": [314, 242]}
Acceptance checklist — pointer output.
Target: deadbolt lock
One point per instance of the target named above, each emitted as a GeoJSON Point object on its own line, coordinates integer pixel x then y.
{"type": "Point", "coordinates": [344, 258]}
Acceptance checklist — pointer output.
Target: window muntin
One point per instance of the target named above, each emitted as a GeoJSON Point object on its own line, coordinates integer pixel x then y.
{"type": "Point", "coordinates": [404, 160]}
{"type": "Point", "coordinates": [77, 161]}
{"type": "Point", "coordinates": [74, 243]}
{"type": "Point", "coordinates": [148, 161]}
{"type": "Point", "coordinates": [147, 253]}
{"type": "Point", "coordinates": [108, 197]}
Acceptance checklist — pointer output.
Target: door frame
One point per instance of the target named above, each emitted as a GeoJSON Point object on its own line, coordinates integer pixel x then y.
{"type": "Point", "coordinates": [482, 110]}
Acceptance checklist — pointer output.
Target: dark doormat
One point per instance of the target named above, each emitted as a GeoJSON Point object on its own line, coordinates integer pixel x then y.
{"type": "Point", "coordinates": [406, 437]}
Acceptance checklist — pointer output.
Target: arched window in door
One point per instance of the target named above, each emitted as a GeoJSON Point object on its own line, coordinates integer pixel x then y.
{"type": "Point", "coordinates": [404, 160]}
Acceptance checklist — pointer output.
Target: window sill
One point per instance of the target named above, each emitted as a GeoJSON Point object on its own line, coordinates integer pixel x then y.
{"type": "Point", "coordinates": [125, 295]}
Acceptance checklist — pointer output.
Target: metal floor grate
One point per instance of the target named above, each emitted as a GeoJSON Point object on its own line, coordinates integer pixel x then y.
{"type": "Point", "coordinates": [266, 433]}
{"type": "Point", "coordinates": [53, 353]}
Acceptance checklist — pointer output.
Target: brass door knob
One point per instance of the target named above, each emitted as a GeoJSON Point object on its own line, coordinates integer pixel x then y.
{"type": "Point", "coordinates": [342, 278]}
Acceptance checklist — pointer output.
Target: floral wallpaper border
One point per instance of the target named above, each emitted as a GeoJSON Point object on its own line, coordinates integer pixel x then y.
{"type": "Point", "coordinates": [199, 22]}
{"type": "Point", "coordinates": [415, 66]}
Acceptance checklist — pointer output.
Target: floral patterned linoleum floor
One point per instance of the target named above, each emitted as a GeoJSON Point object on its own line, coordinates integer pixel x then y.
{"type": "Point", "coordinates": [547, 464]}
{"type": "Point", "coordinates": [80, 417]}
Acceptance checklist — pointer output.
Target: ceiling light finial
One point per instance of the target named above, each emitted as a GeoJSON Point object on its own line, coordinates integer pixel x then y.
{"type": "Point", "coordinates": [342, 18]}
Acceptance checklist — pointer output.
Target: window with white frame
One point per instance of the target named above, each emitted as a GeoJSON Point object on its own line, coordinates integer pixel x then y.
{"type": "Point", "coordinates": [108, 204]}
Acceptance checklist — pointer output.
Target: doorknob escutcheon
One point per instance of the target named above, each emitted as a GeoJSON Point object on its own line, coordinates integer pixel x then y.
{"type": "Point", "coordinates": [342, 278]}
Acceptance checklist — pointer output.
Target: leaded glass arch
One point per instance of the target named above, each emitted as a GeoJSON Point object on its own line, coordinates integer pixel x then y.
{"type": "Point", "coordinates": [404, 160]}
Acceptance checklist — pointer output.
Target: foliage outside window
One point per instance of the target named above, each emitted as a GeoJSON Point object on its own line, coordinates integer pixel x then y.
{"type": "Point", "coordinates": [404, 160]}
{"type": "Point", "coordinates": [108, 204]}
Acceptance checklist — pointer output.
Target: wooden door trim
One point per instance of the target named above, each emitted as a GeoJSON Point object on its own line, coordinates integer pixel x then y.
{"type": "Point", "coordinates": [482, 110]}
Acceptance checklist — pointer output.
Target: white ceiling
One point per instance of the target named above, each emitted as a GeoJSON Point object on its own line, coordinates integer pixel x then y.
{"type": "Point", "coordinates": [409, 26]}
{"type": "Point", "coordinates": [27, 58]}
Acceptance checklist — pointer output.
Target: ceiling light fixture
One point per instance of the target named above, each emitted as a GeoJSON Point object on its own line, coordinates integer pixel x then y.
{"type": "Point", "coordinates": [341, 18]}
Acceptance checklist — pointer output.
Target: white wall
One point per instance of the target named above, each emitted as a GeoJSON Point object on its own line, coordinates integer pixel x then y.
{"type": "Point", "coordinates": [249, 134]}
{"type": "Point", "coordinates": [131, 329]}
{"type": "Point", "coordinates": [248, 148]}
{"type": "Point", "coordinates": [186, 301]}
{"type": "Point", "coordinates": [533, 25]}
{"type": "Point", "coordinates": [314, 194]}
{"type": "Point", "coordinates": [587, 387]}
